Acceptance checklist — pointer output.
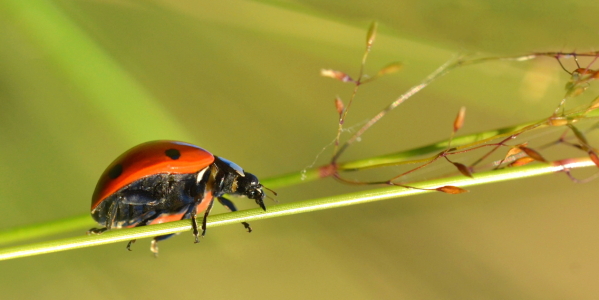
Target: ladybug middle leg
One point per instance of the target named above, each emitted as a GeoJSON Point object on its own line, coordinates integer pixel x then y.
{"type": "Point", "coordinates": [190, 213]}
{"type": "Point", "coordinates": [154, 243]}
{"type": "Point", "coordinates": [142, 220]}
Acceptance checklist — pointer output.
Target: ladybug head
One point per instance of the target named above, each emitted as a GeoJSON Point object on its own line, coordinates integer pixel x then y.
{"type": "Point", "coordinates": [250, 186]}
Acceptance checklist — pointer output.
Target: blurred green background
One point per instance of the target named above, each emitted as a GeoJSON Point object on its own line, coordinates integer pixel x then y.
{"type": "Point", "coordinates": [82, 81]}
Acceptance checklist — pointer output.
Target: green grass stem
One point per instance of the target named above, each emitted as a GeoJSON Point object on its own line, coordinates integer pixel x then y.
{"type": "Point", "coordinates": [291, 208]}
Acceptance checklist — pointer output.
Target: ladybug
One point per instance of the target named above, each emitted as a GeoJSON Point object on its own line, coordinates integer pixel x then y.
{"type": "Point", "coordinates": [164, 181]}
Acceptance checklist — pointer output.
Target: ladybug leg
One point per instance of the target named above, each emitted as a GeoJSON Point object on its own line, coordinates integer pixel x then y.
{"type": "Point", "coordinates": [129, 244]}
{"type": "Point", "coordinates": [192, 214]}
{"type": "Point", "coordinates": [154, 245]}
{"type": "Point", "coordinates": [194, 221]}
{"type": "Point", "coordinates": [96, 231]}
{"type": "Point", "coordinates": [229, 204]}
{"type": "Point", "coordinates": [194, 225]}
{"type": "Point", "coordinates": [145, 218]}
{"type": "Point", "coordinates": [206, 213]}
{"type": "Point", "coordinates": [139, 198]}
{"type": "Point", "coordinates": [112, 212]}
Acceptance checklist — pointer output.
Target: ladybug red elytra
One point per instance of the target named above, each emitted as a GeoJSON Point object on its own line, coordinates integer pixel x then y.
{"type": "Point", "coordinates": [164, 181]}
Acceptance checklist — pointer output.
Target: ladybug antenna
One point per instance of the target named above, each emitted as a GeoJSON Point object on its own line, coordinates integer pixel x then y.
{"type": "Point", "coordinates": [275, 193]}
{"type": "Point", "coordinates": [272, 199]}
{"type": "Point", "coordinates": [269, 197]}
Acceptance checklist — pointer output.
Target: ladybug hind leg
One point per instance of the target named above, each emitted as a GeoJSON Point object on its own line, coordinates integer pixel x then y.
{"type": "Point", "coordinates": [112, 214]}
{"type": "Point", "coordinates": [229, 204]}
{"type": "Point", "coordinates": [96, 231]}
{"type": "Point", "coordinates": [108, 222]}
{"type": "Point", "coordinates": [154, 244]}
{"type": "Point", "coordinates": [143, 220]}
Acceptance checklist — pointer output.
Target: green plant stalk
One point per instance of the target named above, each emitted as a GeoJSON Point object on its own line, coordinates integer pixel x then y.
{"type": "Point", "coordinates": [461, 142]}
{"type": "Point", "coordinates": [293, 208]}
{"type": "Point", "coordinates": [13, 235]}
{"type": "Point", "coordinates": [403, 156]}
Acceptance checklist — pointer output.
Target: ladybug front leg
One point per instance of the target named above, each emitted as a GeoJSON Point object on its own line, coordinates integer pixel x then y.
{"type": "Point", "coordinates": [229, 204]}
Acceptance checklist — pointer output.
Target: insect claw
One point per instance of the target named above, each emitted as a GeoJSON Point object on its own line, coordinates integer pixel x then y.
{"type": "Point", "coordinates": [131, 242]}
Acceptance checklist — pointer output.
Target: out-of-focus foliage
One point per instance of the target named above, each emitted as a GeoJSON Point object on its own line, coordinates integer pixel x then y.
{"type": "Point", "coordinates": [81, 81]}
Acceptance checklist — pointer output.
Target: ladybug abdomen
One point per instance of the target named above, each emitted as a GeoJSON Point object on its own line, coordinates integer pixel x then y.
{"type": "Point", "coordinates": [153, 199]}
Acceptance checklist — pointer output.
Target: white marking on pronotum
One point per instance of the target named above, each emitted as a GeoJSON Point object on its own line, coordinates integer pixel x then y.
{"type": "Point", "coordinates": [201, 174]}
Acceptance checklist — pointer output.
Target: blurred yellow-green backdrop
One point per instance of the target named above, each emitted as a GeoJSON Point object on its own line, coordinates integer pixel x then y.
{"type": "Point", "coordinates": [82, 81]}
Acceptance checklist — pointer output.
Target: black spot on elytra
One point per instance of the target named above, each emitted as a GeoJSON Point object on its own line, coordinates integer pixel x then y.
{"type": "Point", "coordinates": [115, 171]}
{"type": "Point", "coordinates": [174, 154]}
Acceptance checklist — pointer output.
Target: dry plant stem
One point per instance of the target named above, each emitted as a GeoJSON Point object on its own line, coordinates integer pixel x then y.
{"type": "Point", "coordinates": [369, 41]}
{"type": "Point", "coordinates": [438, 73]}
{"type": "Point", "coordinates": [412, 91]}
{"type": "Point", "coordinates": [495, 147]}
{"type": "Point", "coordinates": [344, 115]}
{"type": "Point", "coordinates": [388, 182]}
{"type": "Point", "coordinates": [444, 69]}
